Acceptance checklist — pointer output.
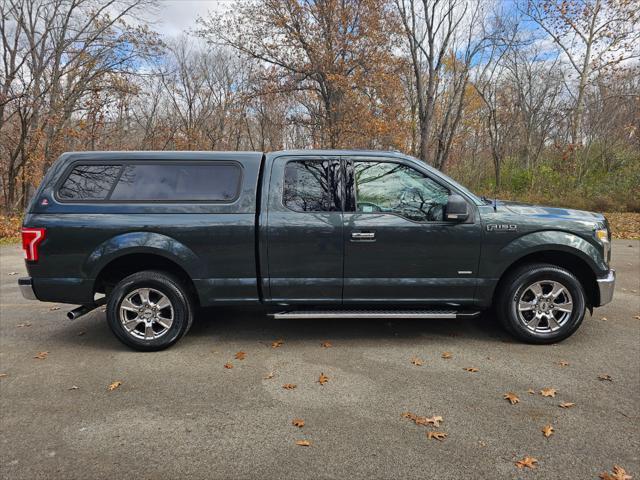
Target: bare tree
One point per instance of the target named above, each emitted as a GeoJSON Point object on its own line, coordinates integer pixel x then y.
{"type": "Point", "coordinates": [536, 83]}
{"type": "Point", "coordinates": [443, 38]}
{"type": "Point", "coordinates": [594, 35]}
{"type": "Point", "coordinates": [54, 53]}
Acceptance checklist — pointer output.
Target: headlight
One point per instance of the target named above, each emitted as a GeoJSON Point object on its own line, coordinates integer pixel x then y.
{"type": "Point", "coordinates": [602, 234]}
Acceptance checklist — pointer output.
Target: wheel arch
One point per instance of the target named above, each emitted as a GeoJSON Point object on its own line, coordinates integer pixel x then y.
{"type": "Point", "coordinates": [571, 261]}
{"type": "Point", "coordinates": [129, 263]}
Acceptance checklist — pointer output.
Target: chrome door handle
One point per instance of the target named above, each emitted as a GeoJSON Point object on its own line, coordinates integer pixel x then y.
{"type": "Point", "coordinates": [363, 236]}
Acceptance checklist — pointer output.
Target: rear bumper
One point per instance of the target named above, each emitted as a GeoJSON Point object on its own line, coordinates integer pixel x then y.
{"type": "Point", "coordinates": [78, 291]}
{"type": "Point", "coordinates": [606, 285]}
{"type": "Point", "coordinates": [26, 288]}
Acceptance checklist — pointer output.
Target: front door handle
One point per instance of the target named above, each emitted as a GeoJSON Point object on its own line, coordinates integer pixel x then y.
{"type": "Point", "coordinates": [363, 236]}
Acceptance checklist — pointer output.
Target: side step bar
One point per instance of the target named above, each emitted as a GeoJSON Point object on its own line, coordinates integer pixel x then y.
{"type": "Point", "coordinates": [303, 314]}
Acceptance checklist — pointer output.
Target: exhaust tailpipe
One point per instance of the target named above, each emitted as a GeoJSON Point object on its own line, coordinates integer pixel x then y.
{"type": "Point", "coordinates": [84, 309]}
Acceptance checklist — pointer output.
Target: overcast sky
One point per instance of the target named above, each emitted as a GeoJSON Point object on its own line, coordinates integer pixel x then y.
{"type": "Point", "coordinates": [177, 16]}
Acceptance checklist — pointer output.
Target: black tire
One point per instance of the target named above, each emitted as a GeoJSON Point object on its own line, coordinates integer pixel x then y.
{"type": "Point", "coordinates": [160, 284]}
{"type": "Point", "coordinates": [516, 287]}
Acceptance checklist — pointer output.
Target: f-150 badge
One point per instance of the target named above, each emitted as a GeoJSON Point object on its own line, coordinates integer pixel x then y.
{"type": "Point", "coordinates": [501, 227]}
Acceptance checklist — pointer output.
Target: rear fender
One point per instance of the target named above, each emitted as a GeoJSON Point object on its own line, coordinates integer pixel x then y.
{"type": "Point", "coordinates": [143, 242]}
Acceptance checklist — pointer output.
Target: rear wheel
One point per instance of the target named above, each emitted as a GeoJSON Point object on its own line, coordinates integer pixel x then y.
{"type": "Point", "coordinates": [149, 310]}
{"type": "Point", "coordinates": [541, 303]}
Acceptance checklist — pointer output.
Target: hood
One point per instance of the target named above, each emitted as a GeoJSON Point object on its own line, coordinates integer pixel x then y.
{"type": "Point", "coordinates": [551, 212]}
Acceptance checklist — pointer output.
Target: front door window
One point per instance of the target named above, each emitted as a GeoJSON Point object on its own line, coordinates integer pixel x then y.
{"type": "Point", "coordinates": [384, 187]}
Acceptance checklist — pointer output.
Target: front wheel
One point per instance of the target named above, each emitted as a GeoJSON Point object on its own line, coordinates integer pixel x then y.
{"type": "Point", "coordinates": [149, 310]}
{"type": "Point", "coordinates": [541, 303]}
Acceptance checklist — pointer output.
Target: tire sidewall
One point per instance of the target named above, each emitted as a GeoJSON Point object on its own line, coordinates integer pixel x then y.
{"type": "Point", "coordinates": [166, 285]}
{"type": "Point", "coordinates": [524, 280]}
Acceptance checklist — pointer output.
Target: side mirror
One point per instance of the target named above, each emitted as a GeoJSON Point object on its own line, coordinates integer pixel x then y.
{"type": "Point", "coordinates": [457, 209]}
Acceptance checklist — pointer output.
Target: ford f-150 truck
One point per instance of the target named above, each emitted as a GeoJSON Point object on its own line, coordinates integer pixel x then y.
{"type": "Point", "coordinates": [306, 234]}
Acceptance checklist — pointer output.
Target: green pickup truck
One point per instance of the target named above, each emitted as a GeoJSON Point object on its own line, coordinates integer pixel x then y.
{"type": "Point", "coordinates": [305, 234]}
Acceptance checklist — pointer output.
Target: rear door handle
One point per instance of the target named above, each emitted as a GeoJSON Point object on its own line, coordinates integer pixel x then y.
{"type": "Point", "coordinates": [363, 236]}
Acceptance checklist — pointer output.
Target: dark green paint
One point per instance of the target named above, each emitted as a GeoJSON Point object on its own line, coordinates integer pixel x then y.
{"type": "Point", "coordinates": [255, 250]}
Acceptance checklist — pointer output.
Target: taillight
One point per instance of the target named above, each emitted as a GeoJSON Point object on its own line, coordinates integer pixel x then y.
{"type": "Point", "coordinates": [31, 239]}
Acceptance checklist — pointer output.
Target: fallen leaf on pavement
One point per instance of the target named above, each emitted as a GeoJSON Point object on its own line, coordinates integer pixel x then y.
{"type": "Point", "coordinates": [240, 356]}
{"type": "Point", "coordinates": [277, 344]}
{"type": "Point", "coordinates": [228, 365]}
{"type": "Point", "coordinates": [289, 386]}
{"type": "Point", "coordinates": [437, 435]}
{"type": "Point", "coordinates": [567, 405]}
{"type": "Point", "coordinates": [605, 377]}
{"type": "Point", "coordinates": [447, 355]}
{"type": "Point", "coordinates": [323, 379]}
{"type": "Point", "coordinates": [326, 345]}
{"type": "Point", "coordinates": [41, 355]}
{"type": "Point", "coordinates": [54, 308]}
{"type": "Point", "coordinates": [21, 325]}
{"type": "Point", "coordinates": [528, 462]}
{"type": "Point", "coordinates": [512, 397]}
{"type": "Point", "coordinates": [12, 273]}
{"type": "Point", "coordinates": [471, 369]}
{"type": "Point", "coordinates": [547, 431]}
{"type": "Point", "coordinates": [269, 376]}
{"type": "Point", "coordinates": [303, 443]}
{"type": "Point", "coordinates": [73, 387]}
{"type": "Point", "coordinates": [548, 392]}
{"type": "Point", "coordinates": [563, 363]}
{"type": "Point", "coordinates": [112, 386]}
{"type": "Point", "coordinates": [416, 361]}
{"type": "Point", "coordinates": [618, 473]}
{"type": "Point", "coordinates": [2, 375]}
{"type": "Point", "coordinates": [637, 317]}
{"type": "Point", "coordinates": [531, 391]}
{"type": "Point", "coordinates": [435, 420]}
{"type": "Point", "coordinates": [604, 319]}
{"type": "Point", "coordinates": [298, 422]}
{"type": "Point", "coordinates": [419, 420]}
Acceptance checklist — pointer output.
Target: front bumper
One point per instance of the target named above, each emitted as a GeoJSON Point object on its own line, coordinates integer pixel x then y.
{"type": "Point", "coordinates": [606, 286]}
{"type": "Point", "coordinates": [26, 288]}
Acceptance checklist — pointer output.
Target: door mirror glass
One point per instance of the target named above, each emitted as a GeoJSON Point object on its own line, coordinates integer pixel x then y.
{"type": "Point", "coordinates": [457, 209]}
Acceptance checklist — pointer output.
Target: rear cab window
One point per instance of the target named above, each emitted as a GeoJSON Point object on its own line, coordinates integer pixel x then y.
{"type": "Point", "coordinates": [312, 186]}
{"type": "Point", "coordinates": [153, 182]}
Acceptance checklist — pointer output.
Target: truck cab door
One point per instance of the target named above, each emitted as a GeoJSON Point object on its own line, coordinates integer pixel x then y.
{"type": "Point", "coordinates": [398, 246]}
{"type": "Point", "coordinates": [305, 230]}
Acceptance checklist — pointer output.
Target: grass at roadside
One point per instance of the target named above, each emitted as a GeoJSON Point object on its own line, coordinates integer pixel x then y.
{"type": "Point", "coordinates": [623, 225]}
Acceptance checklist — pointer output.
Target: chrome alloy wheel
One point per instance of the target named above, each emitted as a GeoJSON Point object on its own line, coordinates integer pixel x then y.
{"type": "Point", "coordinates": [544, 306]}
{"type": "Point", "coordinates": [146, 313]}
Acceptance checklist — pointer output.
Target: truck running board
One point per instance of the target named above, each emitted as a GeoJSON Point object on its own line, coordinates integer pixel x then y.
{"type": "Point", "coordinates": [301, 314]}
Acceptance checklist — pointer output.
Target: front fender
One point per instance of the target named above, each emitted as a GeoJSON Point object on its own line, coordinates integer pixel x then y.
{"type": "Point", "coordinates": [551, 240]}
{"type": "Point", "coordinates": [142, 242]}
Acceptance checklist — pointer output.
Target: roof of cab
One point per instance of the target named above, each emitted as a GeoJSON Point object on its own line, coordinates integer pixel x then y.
{"type": "Point", "coordinates": [339, 153]}
{"type": "Point", "coordinates": [213, 155]}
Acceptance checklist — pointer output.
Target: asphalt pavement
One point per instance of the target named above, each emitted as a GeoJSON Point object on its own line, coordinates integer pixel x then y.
{"type": "Point", "coordinates": [181, 414]}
